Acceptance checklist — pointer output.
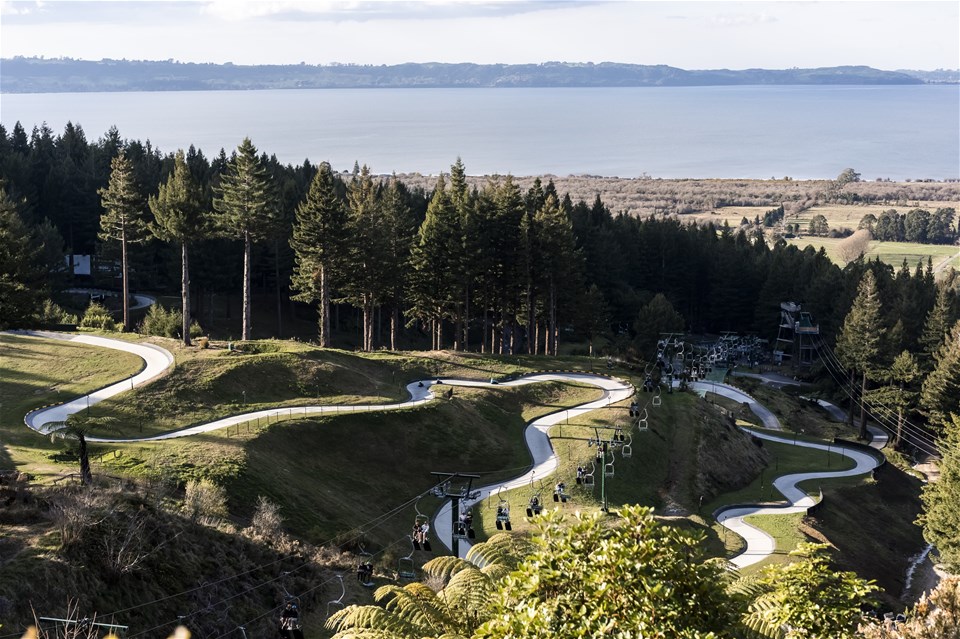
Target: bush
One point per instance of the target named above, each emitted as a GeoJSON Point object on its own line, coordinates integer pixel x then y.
{"type": "Point", "coordinates": [163, 322]}
{"type": "Point", "coordinates": [53, 314]}
{"type": "Point", "coordinates": [98, 317]}
{"type": "Point", "coordinates": [205, 501]}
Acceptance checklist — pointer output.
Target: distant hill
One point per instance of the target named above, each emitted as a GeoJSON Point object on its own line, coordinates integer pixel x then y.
{"type": "Point", "coordinates": [38, 75]}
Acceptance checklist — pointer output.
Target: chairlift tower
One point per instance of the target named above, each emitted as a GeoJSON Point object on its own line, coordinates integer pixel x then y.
{"type": "Point", "coordinates": [455, 486]}
{"type": "Point", "coordinates": [604, 447]}
{"type": "Point", "coordinates": [796, 335]}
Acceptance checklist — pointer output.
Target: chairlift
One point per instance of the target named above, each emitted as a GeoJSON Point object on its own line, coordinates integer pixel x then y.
{"type": "Point", "coordinates": [464, 527]}
{"type": "Point", "coordinates": [535, 505]}
{"type": "Point", "coordinates": [364, 567]}
{"type": "Point", "coordinates": [608, 467]}
{"type": "Point", "coordinates": [656, 396]}
{"type": "Point", "coordinates": [587, 478]}
{"type": "Point", "coordinates": [421, 527]}
{"type": "Point", "coordinates": [337, 604]}
{"type": "Point", "coordinates": [626, 451]}
{"type": "Point", "coordinates": [290, 627]}
{"type": "Point", "coordinates": [405, 569]}
{"type": "Point", "coordinates": [618, 435]}
{"type": "Point", "coordinates": [560, 492]}
{"type": "Point", "coordinates": [503, 513]}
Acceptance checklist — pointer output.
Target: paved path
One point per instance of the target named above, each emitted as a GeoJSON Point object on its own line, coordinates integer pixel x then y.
{"type": "Point", "coordinates": [878, 436]}
{"type": "Point", "coordinates": [766, 416]}
{"type": "Point", "coordinates": [777, 380]}
{"type": "Point", "coordinates": [139, 299]}
{"type": "Point", "coordinates": [545, 460]}
{"type": "Point", "coordinates": [759, 544]}
{"type": "Point", "coordinates": [156, 362]}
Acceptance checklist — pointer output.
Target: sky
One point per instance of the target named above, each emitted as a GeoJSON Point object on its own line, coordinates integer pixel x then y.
{"type": "Point", "coordinates": [690, 35]}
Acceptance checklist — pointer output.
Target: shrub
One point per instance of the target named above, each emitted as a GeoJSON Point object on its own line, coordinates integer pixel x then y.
{"type": "Point", "coordinates": [53, 314]}
{"type": "Point", "coordinates": [205, 501]}
{"type": "Point", "coordinates": [166, 323]}
{"type": "Point", "coordinates": [98, 317]}
{"type": "Point", "coordinates": [161, 322]}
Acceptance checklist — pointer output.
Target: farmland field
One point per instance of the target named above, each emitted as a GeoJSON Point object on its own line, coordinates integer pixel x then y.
{"type": "Point", "coordinates": [840, 217]}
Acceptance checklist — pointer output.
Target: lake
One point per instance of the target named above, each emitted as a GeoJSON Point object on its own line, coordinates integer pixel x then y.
{"type": "Point", "coordinates": [805, 132]}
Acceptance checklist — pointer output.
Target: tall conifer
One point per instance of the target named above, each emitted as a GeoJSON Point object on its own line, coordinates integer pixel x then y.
{"type": "Point", "coordinates": [318, 244]}
{"type": "Point", "coordinates": [246, 209]}
{"type": "Point", "coordinates": [122, 220]}
{"type": "Point", "coordinates": [181, 218]}
{"type": "Point", "coordinates": [858, 346]}
{"type": "Point", "coordinates": [941, 390]}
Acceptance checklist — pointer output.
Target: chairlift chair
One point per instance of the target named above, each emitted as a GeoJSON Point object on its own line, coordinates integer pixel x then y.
{"type": "Point", "coordinates": [337, 604]}
{"type": "Point", "coordinates": [656, 396]}
{"type": "Point", "coordinates": [560, 493]}
{"type": "Point", "coordinates": [608, 467]}
{"type": "Point", "coordinates": [364, 567]}
{"type": "Point", "coordinates": [626, 451]}
{"type": "Point", "coordinates": [503, 513]}
{"type": "Point", "coordinates": [421, 527]}
{"type": "Point", "coordinates": [405, 569]}
{"type": "Point", "coordinates": [464, 527]}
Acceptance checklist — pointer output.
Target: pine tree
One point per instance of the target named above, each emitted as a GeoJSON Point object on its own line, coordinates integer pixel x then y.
{"type": "Point", "coordinates": [556, 266]}
{"type": "Point", "coordinates": [507, 280]}
{"type": "Point", "coordinates": [368, 246]}
{"type": "Point", "coordinates": [401, 231]}
{"type": "Point", "coordinates": [941, 390]}
{"type": "Point", "coordinates": [181, 218]}
{"type": "Point", "coordinates": [246, 210]}
{"type": "Point", "coordinates": [937, 326]}
{"type": "Point", "coordinates": [434, 263]}
{"type": "Point", "coordinates": [318, 244]}
{"type": "Point", "coordinates": [22, 279]}
{"type": "Point", "coordinates": [898, 393]}
{"type": "Point", "coordinates": [941, 500]}
{"type": "Point", "coordinates": [858, 345]}
{"type": "Point", "coordinates": [122, 220]}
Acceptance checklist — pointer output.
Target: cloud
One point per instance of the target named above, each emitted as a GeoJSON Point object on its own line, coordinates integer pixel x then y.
{"type": "Point", "coordinates": [364, 10]}
{"type": "Point", "coordinates": [19, 8]}
{"type": "Point", "coordinates": [742, 19]}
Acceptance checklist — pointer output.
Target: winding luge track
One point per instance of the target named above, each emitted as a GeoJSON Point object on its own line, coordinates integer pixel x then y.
{"type": "Point", "coordinates": [157, 361]}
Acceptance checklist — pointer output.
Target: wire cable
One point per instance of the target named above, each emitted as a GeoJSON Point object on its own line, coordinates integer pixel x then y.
{"type": "Point", "coordinates": [373, 523]}
{"type": "Point", "coordinates": [888, 415]}
{"type": "Point", "coordinates": [919, 437]}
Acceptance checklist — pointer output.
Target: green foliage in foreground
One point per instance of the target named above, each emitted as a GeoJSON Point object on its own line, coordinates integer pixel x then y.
{"type": "Point", "coordinates": [809, 599]}
{"type": "Point", "coordinates": [462, 600]}
{"type": "Point", "coordinates": [594, 577]}
{"type": "Point", "coordinates": [634, 579]}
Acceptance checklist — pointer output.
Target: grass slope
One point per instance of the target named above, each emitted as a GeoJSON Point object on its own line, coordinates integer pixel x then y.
{"type": "Point", "coordinates": [348, 477]}
{"type": "Point", "coordinates": [38, 372]}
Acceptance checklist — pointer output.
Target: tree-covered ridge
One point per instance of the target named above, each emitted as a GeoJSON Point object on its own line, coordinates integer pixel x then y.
{"type": "Point", "coordinates": [470, 264]}
{"type": "Point", "coordinates": [39, 75]}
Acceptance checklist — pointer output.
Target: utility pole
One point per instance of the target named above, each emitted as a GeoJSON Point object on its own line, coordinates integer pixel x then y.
{"type": "Point", "coordinates": [455, 486]}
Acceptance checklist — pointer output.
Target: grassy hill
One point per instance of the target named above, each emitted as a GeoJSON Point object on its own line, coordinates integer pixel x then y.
{"type": "Point", "coordinates": [337, 481]}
